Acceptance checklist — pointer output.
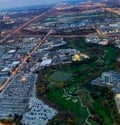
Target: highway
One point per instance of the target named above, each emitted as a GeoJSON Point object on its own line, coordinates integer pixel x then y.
{"type": "Point", "coordinates": [13, 73]}
{"type": "Point", "coordinates": [24, 25]}
{"type": "Point", "coordinates": [3, 86]}
{"type": "Point", "coordinates": [74, 36]}
{"type": "Point", "coordinates": [61, 36]}
{"type": "Point", "coordinates": [23, 61]}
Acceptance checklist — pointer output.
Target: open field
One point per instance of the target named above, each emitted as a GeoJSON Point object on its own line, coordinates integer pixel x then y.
{"type": "Point", "coordinates": [102, 111]}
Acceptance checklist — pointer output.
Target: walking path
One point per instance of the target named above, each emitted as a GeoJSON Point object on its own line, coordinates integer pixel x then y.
{"type": "Point", "coordinates": [81, 106]}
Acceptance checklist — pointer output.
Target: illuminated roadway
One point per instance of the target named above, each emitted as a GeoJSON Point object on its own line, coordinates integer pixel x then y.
{"type": "Point", "coordinates": [35, 48]}
{"type": "Point", "coordinates": [4, 85]}
{"type": "Point", "coordinates": [23, 61]}
{"type": "Point", "coordinates": [24, 25]}
{"type": "Point", "coordinates": [60, 36]}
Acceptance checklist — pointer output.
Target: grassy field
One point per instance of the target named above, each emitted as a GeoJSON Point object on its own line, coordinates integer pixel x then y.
{"type": "Point", "coordinates": [79, 112]}
{"type": "Point", "coordinates": [93, 122]}
{"type": "Point", "coordinates": [102, 111]}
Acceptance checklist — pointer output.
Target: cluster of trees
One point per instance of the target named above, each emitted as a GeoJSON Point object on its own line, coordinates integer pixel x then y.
{"type": "Point", "coordinates": [12, 120]}
{"type": "Point", "coordinates": [64, 118]}
{"type": "Point", "coordinates": [6, 121]}
{"type": "Point", "coordinates": [108, 101]}
{"type": "Point", "coordinates": [109, 98]}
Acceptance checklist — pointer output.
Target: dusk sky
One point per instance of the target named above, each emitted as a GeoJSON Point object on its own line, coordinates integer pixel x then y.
{"type": "Point", "coordinates": [16, 3]}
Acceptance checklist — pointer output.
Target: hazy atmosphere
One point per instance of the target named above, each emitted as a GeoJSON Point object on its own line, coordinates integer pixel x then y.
{"type": "Point", "coordinates": [18, 3]}
{"type": "Point", "coordinates": [59, 62]}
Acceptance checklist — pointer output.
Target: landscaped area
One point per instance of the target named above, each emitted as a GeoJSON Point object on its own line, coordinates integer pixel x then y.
{"type": "Point", "coordinates": [102, 111]}
{"type": "Point", "coordinates": [69, 88]}
{"type": "Point", "coordinates": [68, 104]}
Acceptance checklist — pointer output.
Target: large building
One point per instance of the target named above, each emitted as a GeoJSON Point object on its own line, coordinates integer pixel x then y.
{"type": "Point", "coordinates": [117, 100]}
{"type": "Point", "coordinates": [107, 77]}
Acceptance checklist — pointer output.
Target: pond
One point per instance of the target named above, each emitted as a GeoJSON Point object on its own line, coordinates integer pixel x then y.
{"type": "Point", "coordinates": [60, 76]}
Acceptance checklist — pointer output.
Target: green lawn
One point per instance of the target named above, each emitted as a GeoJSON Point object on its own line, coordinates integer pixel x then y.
{"type": "Point", "coordinates": [80, 113]}
{"type": "Point", "coordinates": [102, 111]}
{"type": "Point", "coordinates": [93, 122]}
{"type": "Point", "coordinates": [110, 57]}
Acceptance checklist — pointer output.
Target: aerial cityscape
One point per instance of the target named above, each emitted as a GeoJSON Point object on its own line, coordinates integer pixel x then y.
{"type": "Point", "coordinates": [60, 62]}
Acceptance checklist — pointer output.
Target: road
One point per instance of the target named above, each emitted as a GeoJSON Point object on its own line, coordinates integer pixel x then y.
{"type": "Point", "coordinates": [24, 25]}
{"type": "Point", "coordinates": [23, 61]}
{"type": "Point", "coordinates": [3, 86]}
{"type": "Point", "coordinates": [13, 73]}
{"type": "Point", "coordinates": [107, 34]}
{"type": "Point", "coordinates": [59, 36]}
{"type": "Point", "coordinates": [83, 106]}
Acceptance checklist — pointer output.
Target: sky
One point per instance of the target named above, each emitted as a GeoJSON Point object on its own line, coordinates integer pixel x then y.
{"type": "Point", "coordinates": [19, 3]}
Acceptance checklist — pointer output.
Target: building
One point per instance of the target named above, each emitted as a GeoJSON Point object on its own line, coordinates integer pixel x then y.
{"type": "Point", "coordinates": [117, 100]}
{"type": "Point", "coordinates": [107, 77]}
{"type": "Point", "coordinates": [76, 57]}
